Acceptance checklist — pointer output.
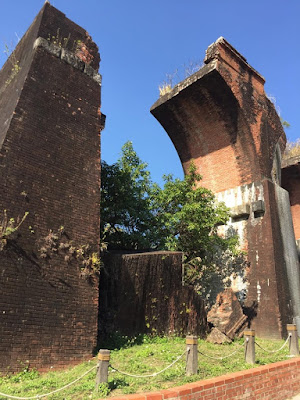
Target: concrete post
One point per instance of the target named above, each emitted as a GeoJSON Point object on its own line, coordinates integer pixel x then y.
{"type": "Point", "coordinates": [102, 369]}
{"type": "Point", "coordinates": [293, 339]}
{"type": "Point", "coordinates": [249, 336]}
{"type": "Point", "coordinates": [191, 355]}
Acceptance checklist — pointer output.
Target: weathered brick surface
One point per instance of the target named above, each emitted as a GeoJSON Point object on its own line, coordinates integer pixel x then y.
{"type": "Point", "coordinates": [267, 270]}
{"type": "Point", "coordinates": [221, 119]}
{"type": "Point", "coordinates": [49, 167]}
{"type": "Point", "coordinates": [278, 381]}
{"type": "Point", "coordinates": [143, 293]}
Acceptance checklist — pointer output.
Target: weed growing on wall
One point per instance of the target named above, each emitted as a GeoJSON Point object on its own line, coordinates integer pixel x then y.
{"type": "Point", "coordinates": [78, 47]}
{"type": "Point", "coordinates": [58, 40]}
{"type": "Point", "coordinates": [8, 227]}
{"type": "Point", "coordinates": [54, 243]}
{"type": "Point", "coordinates": [178, 75]}
{"type": "Point", "coordinates": [58, 243]}
{"type": "Point", "coordinates": [15, 63]}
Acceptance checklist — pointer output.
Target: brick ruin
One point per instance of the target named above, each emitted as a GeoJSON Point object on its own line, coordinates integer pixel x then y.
{"type": "Point", "coordinates": [50, 125]}
{"type": "Point", "coordinates": [221, 119]}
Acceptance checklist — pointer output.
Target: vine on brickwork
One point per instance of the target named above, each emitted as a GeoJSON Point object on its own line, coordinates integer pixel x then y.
{"type": "Point", "coordinates": [57, 242]}
{"type": "Point", "coordinates": [54, 243]}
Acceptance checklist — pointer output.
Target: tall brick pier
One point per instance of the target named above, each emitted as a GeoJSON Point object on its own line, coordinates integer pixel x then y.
{"type": "Point", "coordinates": [221, 119]}
{"type": "Point", "coordinates": [50, 125]}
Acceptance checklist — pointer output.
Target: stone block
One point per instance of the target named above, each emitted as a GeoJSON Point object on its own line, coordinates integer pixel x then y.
{"type": "Point", "coordinates": [217, 337]}
{"type": "Point", "coordinates": [71, 59]}
{"type": "Point", "coordinates": [227, 314]}
{"type": "Point", "coordinates": [258, 208]}
{"type": "Point", "coordinates": [241, 211]}
{"type": "Point", "coordinates": [55, 50]}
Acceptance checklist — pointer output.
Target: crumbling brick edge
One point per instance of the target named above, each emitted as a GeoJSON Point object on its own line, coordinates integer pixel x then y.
{"type": "Point", "coordinates": [280, 381]}
{"type": "Point", "coordinates": [68, 57]}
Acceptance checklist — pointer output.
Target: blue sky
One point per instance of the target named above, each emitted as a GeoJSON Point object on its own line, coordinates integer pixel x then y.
{"type": "Point", "coordinates": [142, 41]}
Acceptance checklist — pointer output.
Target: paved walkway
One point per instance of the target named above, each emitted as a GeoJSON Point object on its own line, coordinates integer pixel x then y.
{"type": "Point", "coordinates": [296, 397]}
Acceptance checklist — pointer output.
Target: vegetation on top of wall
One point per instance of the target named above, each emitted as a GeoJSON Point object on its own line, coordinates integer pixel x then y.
{"type": "Point", "coordinates": [178, 75]}
{"type": "Point", "coordinates": [292, 149]}
{"type": "Point", "coordinates": [78, 46]}
{"type": "Point", "coordinates": [137, 214]}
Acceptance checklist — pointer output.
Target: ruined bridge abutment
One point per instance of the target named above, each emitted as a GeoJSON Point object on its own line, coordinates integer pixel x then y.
{"type": "Point", "coordinates": [221, 119]}
{"type": "Point", "coordinates": [50, 125]}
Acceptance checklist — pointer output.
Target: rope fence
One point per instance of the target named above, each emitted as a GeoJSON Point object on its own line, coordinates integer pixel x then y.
{"type": "Point", "coordinates": [218, 358]}
{"type": "Point", "coordinates": [224, 357]}
{"type": "Point", "coordinates": [274, 351]}
{"type": "Point", "coordinates": [191, 353]}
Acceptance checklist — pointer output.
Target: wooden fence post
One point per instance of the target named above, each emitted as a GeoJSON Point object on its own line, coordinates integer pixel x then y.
{"type": "Point", "coordinates": [102, 369]}
{"type": "Point", "coordinates": [249, 336]}
{"type": "Point", "coordinates": [293, 339]}
{"type": "Point", "coordinates": [191, 355]}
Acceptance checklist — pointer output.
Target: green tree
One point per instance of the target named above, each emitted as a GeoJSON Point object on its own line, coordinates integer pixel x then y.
{"type": "Point", "coordinates": [187, 219]}
{"type": "Point", "coordinates": [126, 216]}
{"type": "Point", "coordinates": [187, 216]}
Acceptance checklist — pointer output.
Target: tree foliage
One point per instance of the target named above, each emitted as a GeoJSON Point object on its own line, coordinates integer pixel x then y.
{"type": "Point", "coordinates": [187, 216]}
{"type": "Point", "coordinates": [126, 216]}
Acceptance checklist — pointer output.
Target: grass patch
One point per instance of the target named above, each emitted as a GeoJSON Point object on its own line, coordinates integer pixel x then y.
{"type": "Point", "coordinates": [140, 355]}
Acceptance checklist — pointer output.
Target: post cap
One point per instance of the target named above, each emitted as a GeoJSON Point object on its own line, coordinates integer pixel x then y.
{"type": "Point", "coordinates": [191, 340]}
{"type": "Point", "coordinates": [249, 332]}
{"type": "Point", "coordinates": [104, 355]}
{"type": "Point", "coordinates": [291, 327]}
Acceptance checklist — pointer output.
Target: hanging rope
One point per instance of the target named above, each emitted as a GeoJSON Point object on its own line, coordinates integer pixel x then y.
{"type": "Point", "coordinates": [221, 358]}
{"type": "Point", "coordinates": [150, 375]}
{"type": "Point", "coordinates": [275, 351]}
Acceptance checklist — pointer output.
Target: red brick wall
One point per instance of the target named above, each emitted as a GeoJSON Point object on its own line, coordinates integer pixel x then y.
{"type": "Point", "coordinates": [221, 119]}
{"type": "Point", "coordinates": [49, 167]}
{"type": "Point", "coordinates": [143, 293]}
{"type": "Point", "coordinates": [278, 381]}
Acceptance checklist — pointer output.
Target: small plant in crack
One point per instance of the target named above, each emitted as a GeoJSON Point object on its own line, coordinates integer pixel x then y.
{"type": "Point", "coordinates": [58, 39]}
